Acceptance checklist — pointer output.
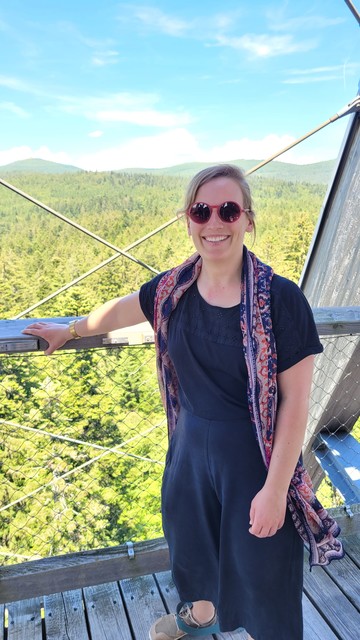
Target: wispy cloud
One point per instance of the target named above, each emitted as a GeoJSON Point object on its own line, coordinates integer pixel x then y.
{"type": "Point", "coordinates": [95, 134]}
{"type": "Point", "coordinates": [321, 74]}
{"type": "Point", "coordinates": [156, 19]}
{"type": "Point", "coordinates": [266, 46]}
{"type": "Point", "coordinates": [14, 83]}
{"type": "Point", "coordinates": [198, 28]}
{"type": "Point", "coordinates": [133, 108]}
{"type": "Point", "coordinates": [304, 23]}
{"type": "Point", "coordinates": [92, 43]}
{"type": "Point", "coordinates": [15, 109]}
{"type": "Point", "coordinates": [125, 107]}
{"type": "Point", "coordinates": [103, 52]}
{"type": "Point", "coordinates": [312, 79]}
{"type": "Point", "coordinates": [103, 58]}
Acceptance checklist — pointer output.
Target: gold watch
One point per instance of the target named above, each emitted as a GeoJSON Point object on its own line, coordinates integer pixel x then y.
{"type": "Point", "coordinates": [73, 331]}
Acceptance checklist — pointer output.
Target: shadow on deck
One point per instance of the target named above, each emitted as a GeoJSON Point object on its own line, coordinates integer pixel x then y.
{"type": "Point", "coordinates": [125, 609]}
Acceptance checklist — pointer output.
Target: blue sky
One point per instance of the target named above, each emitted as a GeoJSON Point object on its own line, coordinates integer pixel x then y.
{"type": "Point", "coordinates": [107, 85]}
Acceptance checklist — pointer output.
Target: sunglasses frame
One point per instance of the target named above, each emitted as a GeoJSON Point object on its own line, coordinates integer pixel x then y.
{"type": "Point", "coordinates": [218, 208]}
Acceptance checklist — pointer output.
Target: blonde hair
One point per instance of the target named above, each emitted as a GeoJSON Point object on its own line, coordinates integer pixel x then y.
{"type": "Point", "coordinates": [219, 171]}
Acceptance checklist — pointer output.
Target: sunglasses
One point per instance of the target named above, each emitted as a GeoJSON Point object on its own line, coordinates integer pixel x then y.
{"type": "Point", "coordinates": [200, 212]}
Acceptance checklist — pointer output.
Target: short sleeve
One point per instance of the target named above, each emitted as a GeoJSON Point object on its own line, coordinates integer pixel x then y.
{"type": "Point", "coordinates": [294, 327]}
{"type": "Point", "coordinates": [147, 297]}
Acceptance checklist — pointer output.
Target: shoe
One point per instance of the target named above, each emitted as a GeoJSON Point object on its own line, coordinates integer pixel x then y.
{"type": "Point", "coordinates": [177, 625]}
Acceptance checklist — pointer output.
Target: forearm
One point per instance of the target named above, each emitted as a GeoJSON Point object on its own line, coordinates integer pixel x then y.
{"type": "Point", "coordinates": [288, 440]}
{"type": "Point", "coordinates": [114, 314]}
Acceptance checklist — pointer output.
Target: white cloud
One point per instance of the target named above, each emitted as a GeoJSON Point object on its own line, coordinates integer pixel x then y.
{"type": "Point", "coordinates": [95, 134]}
{"type": "Point", "coordinates": [264, 45]}
{"type": "Point", "coordinates": [156, 19]}
{"type": "Point", "coordinates": [13, 83]}
{"type": "Point", "coordinates": [103, 58]}
{"type": "Point", "coordinates": [305, 22]}
{"type": "Point", "coordinates": [352, 67]}
{"type": "Point", "coordinates": [248, 149]}
{"type": "Point", "coordinates": [134, 108]}
{"type": "Point", "coordinates": [165, 149]}
{"type": "Point", "coordinates": [178, 145]}
{"type": "Point", "coordinates": [13, 108]}
{"type": "Point", "coordinates": [144, 118]}
{"type": "Point", "coordinates": [312, 79]}
{"type": "Point", "coordinates": [321, 74]}
{"type": "Point", "coordinates": [24, 152]}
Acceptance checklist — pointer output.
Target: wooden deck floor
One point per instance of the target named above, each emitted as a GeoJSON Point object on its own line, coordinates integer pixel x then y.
{"type": "Point", "coordinates": [125, 610]}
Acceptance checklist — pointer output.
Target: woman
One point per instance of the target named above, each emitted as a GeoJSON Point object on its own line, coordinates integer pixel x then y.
{"type": "Point", "coordinates": [235, 349]}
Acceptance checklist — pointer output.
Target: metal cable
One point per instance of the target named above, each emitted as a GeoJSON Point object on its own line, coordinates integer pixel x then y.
{"type": "Point", "coordinates": [353, 10]}
{"type": "Point", "coordinates": [77, 226]}
{"type": "Point", "coordinates": [80, 468]}
{"type": "Point", "coordinates": [351, 107]}
{"type": "Point", "coordinates": [92, 445]}
{"type": "Point", "coordinates": [94, 269]}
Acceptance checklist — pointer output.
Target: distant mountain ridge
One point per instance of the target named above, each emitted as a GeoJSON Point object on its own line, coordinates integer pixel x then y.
{"type": "Point", "coordinates": [37, 165]}
{"type": "Point", "coordinates": [316, 173]}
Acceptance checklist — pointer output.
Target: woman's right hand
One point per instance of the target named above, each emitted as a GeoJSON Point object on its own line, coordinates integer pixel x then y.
{"type": "Point", "coordinates": [55, 334]}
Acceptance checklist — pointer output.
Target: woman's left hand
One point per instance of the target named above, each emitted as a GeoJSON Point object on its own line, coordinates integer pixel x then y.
{"type": "Point", "coordinates": [267, 513]}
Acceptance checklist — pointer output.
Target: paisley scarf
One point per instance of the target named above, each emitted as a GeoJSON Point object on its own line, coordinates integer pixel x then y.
{"type": "Point", "coordinates": [313, 523]}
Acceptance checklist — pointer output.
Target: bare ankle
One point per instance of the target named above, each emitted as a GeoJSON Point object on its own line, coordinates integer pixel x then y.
{"type": "Point", "coordinates": [203, 611]}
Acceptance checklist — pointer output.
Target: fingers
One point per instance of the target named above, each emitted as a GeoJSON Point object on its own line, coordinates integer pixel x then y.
{"type": "Point", "coordinates": [35, 327]}
{"type": "Point", "coordinates": [264, 530]}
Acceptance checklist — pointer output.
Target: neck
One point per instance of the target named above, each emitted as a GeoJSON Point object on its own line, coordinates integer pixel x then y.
{"type": "Point", "coordinates": [220, 285]}
{"type": "Point", "coordinates": [214, 274]}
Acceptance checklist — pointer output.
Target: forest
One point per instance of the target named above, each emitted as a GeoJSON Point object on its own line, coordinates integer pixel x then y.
{"type": "Point", "coordinates": [84, 435]}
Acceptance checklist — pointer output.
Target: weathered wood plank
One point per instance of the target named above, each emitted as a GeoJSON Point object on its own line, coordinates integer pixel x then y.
{"type": "Point", "coordinates": [352, 548]}
{"type": "Point", "coordinates": [13, 341]}
{"type": "Point", "coordinates": [77, 570]}
{"type": "Point", "coordinates": [241, 634]}
{"type": "Point", "coordinates": [143, 604]}
{"type": "Point", "coordinates": [329, 320]}
{"type": "Point", "coordinates": [64, 616]}
{"type": "Point", "coordinates": [330, 274]}
{"type": "Point", "coordinates": [170, 594]}
{"type": "Point", "coordinates": [347, 576]}
{"type": "Point", "coordinates": [168, 590]}
{"type": "Point", "coordinates": [105, 613]}
{"type": "Point", "coordinates": [315, 627]}
{"type": "Point", "coordinates": [25, 620]}
{"type": "Point", "coordinates": [338, 612]}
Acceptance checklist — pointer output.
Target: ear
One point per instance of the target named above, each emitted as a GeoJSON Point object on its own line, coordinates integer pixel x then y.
{"type": "Point", "coordinates": [250, 226]}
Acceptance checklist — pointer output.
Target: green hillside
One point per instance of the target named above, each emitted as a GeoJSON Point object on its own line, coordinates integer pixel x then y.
{"type": "Point", "coordinates": [37, 165]}
{"type": "Point", "coordinates": [316, 173]}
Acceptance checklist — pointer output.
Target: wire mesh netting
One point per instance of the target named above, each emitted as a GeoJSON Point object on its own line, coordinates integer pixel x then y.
{"type": "Point", "coordinates": [84, 439]}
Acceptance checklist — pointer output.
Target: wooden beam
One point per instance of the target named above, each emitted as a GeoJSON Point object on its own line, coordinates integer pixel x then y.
{"type": "Point", "coordinates": [77, 570]}
{"type": "Point", "coordinates": [329, 320]}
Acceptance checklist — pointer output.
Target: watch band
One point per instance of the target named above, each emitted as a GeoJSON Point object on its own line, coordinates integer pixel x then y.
{"type": "Point", "coordinates": [72, 330]}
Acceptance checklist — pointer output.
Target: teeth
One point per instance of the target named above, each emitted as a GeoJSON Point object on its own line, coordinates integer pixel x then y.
{"type": "Point", "coordinates": [215, 238]}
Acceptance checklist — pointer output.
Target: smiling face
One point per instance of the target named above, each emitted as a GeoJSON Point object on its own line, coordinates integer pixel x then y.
{"type": "Point", "coordinates": [215, 240]}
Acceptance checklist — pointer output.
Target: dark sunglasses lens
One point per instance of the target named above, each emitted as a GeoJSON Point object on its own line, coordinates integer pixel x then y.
{"type": "Point", "coordinates": [230, 211]}
{"type": "Point", "coordinates": [200, 212]}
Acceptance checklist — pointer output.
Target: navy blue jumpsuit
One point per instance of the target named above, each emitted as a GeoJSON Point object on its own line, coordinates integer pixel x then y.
{"type": "Point", "coordinates": [214, 467]}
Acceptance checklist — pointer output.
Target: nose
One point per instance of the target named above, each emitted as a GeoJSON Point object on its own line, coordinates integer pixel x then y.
{"type": "Point", "coordinates": [215, 220]}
